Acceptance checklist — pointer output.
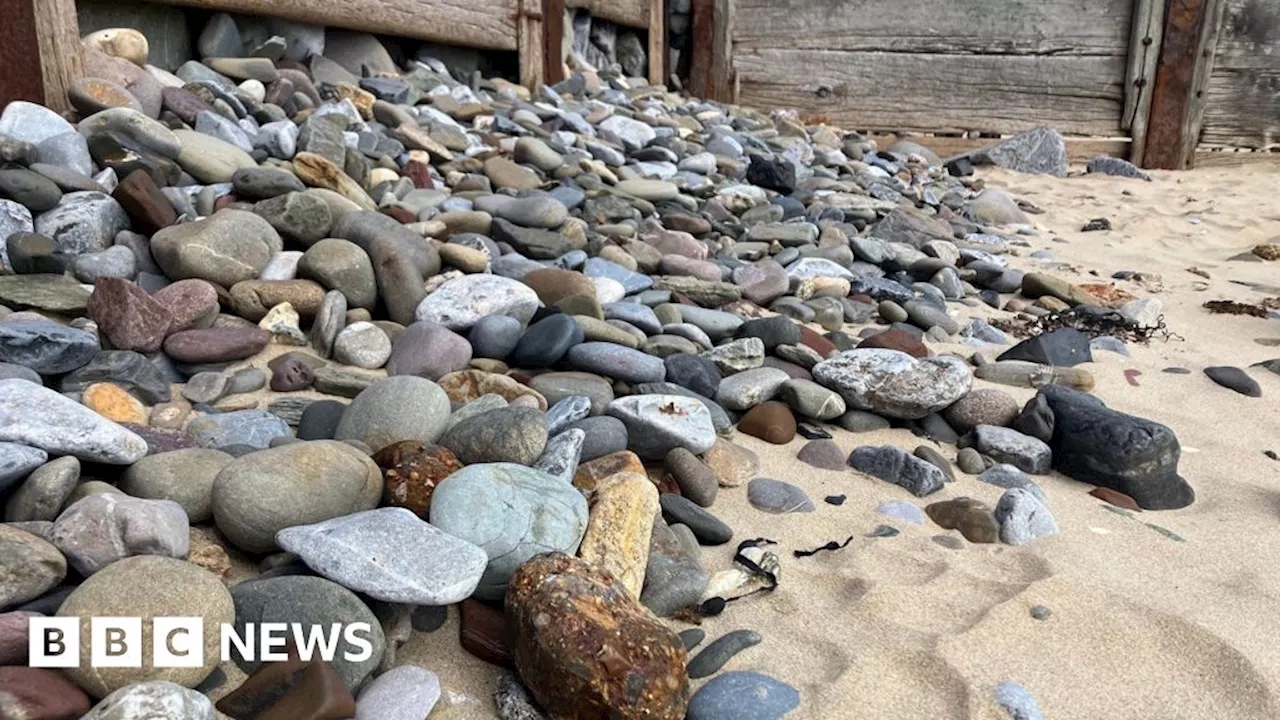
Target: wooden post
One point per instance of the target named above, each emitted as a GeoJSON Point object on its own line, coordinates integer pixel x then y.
{"type": "Point", "coordinates": [657, 42]}
{"type": "Point", "coordinates": [711, 65]}
{"type": "Point", "coordinates": [1186, 55]}
{"type": "Point", "coordinates": [1144, 57]}
{"type": "Point", "coordinates": [553, 40]}
{"type": "Point", "coordinates": [532, 42]}
{"type": "Point", "coordinates": [40, 51]}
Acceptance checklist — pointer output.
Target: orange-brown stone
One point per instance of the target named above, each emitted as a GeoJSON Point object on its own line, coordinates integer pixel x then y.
{"type": "Point", "coordinates": [112, 402]}
{"type": "Point", "coordinates": [411, 470]}
{"type": "Point", "coordinates": [770, 421]}
{"type": "Point", "coordinates": [603, 655]}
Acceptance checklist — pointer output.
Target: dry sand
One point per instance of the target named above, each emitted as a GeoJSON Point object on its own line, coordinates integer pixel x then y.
{"type": "Point", "coordinates": [1142, 626]}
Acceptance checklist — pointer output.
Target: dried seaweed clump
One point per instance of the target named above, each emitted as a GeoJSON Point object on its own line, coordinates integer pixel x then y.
{"type": "Point", "coordinates": [1092, 322]}
{"type": "Point", "coordinates": [1231, 307]}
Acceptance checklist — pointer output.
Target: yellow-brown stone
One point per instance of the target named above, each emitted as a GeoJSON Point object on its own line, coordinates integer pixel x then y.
{"type": "Point", "coordinates": [619, 528]}
{"type": "Point", "coordinates": [112, 402]}
{"type": "Point", "coordinates": [590, 475]}
{"type": "Point", "coordinates": [732, 464]}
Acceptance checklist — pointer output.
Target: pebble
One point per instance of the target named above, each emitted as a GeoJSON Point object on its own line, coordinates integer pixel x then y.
{"type": "Point", "coordinates": [741, 694]}
{"type": "Point", "coordinates": [709, 529]}
{"type": "Point", "coordinates": [696, 481]}
{"type": "Point", "coordinates": [777, 497]}
{"type": "Point", "coordinates": [511, 512]}
{"type": "Point", "coordinates": [721, 651]}
{"type": "Point", "coordinates": [407, 692]}
{"type": "Point", "coordinates": [895, 465]}
{"type": "Point", "coordinates": [658, 423]}
{"type": "Point", "coordinates": [361, 553]}
{"type": "Point", "coordinates": [824, 454]}
{"type": "Point", "coordinates": [1234, 378]}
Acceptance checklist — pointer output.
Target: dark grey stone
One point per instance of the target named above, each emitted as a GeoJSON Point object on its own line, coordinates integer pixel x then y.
{"type": "Point", "coordinates": [709, 529]}
{"type": "Point", "coordinates": [720, 651]}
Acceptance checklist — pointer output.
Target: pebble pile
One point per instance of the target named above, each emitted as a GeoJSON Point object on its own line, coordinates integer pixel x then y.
{"type": "Point", "coordinates": [413, 341]}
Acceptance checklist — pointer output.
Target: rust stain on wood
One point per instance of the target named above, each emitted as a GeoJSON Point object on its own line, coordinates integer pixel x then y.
{"type": "Point", "coordinates": [1171, 97]}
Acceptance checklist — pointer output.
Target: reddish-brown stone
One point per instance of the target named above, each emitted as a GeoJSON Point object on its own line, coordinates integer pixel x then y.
{"type": "Point", "coordinates": [817, 343]}
{"type": "Point", "coordinates": [14, 628]}
{"type": "Point", "coordinates": [483, 633]}
{"type": "Point", "coordinates": [411, 470]}
{"type": "Point", "coordinates": [1115, 497]}
{"type": "Point", "coordinates": [863, 298]}
{"type": "Point", "coordinates": [291, 690]}
{"type": "Point", "coordinates": [419, 173]}
{"type": "Point", "coordinates": [770, 421]}
{"type": "Point", "coordinates": [39, 694]}
{"type": "Point", "coordinates": [587, 649]}
{"type": "Point", "coordinates": [188, 302]}
{"type": "Point", "coordinates": [127, 316]}
{"type": "Point", "coordinates": [897, 340]}
{"type": "Point", "coordinates": [402, 215]}
{"type": "Point", "coordinates": [224, 201]}
{"type": "Point", "coordinates": [216, 345]}
{"type": "Point", "coordinates": [149, 209]}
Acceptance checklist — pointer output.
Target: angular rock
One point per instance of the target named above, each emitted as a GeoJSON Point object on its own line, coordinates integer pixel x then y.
{"type": "Point", "coordinates": [892, 383]}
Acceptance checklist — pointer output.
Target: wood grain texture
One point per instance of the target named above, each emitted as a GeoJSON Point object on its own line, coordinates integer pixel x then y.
{"type": "Point", "coordinates": [553, 40]}
{"type": "Point", "coordinates": [1079, 95]}
{"type": "Point", "coordinates": [489, 24]}
{"type": "Point", "coordinates": [19, 45]}
{"type": "Point", "coordinates": [1005, 27]}
{"type": "Point", "coordinates": [1079, 150]}
{"type": "Point", "coordinates": [1144, 56]}
{"type": "Point", "coordinates": [1242, 99]}
{"type": "Point", "coordinates": [61, 55]}
{"type": "Point", "coordinates": [1233, 157]}
{"type": "Point", "coordinates": [532, 44]}
{"type": "Point", "coordinates": [632, 13]}
{"type": "Point", "coordinates": [657, 42]}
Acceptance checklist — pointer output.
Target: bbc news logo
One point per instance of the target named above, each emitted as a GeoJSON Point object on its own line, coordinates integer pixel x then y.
{"type": "Point", "coordinates": [178, 642]}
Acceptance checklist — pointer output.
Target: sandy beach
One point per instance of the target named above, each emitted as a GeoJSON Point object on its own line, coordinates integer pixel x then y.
{"type": "Point", "coordinates": [1142, 625]}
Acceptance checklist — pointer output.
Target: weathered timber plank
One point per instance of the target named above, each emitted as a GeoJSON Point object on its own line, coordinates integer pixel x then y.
{"type": "Point", "coordinates": [1144, 56]}
{"type": "Point", "coordinates": [1233, 158]}
{"type": "Point", "coordinates": [1242, 101]}
{"type": "Point", "coordinates": [20, 53]}
{"type": "Point", "coordinates": [1206, 54]}
{"type": "Point", "coordinates": [61, 56]}
{"type": "Point", "coordinates": [1016, 27]}
{"type": "Point", "coordinates": [1079, 150]}
{"type": "Point", "coordinates": [632, 13]}
{"type": "Point", "coordinates": [553, 40]}
{"type": "Point", "coordinates": [1167, 123]}
{"type": "Point", "coordinates": [532, 44]}
{"type": "Point", "coordinates": [657, 42]}
{"type": "Point", "coordinates": [938, 93]}
{"type": "Point", "coordinates": [489, 24]}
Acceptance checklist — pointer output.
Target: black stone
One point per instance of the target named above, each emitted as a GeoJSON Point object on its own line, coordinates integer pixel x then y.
{"type": "Point", "coordinates": [545, 342]}
{"type": "Point", "coordinates": [1234, 378]}
{"type": "Point", "coordinates": [48, 603]}
{"type": "Point", "coordinates": [960, 167]}
{"type": "Point", "coordinates": [720, 651]}
{"type": "Point", "coordinates": [777, 174]}
{"type": "Point", "coordinates": [320, 420]}
{"type": "Point", "coordinates": [709, 529]}
{"type": "Point", "coordinates": [809, 432]}
{"type": "Point", "coordinates": [881, 289]}
{"type": "Point", "coordinates": [693, 372]}
{"type": "Point", "coordinates": [1096, 225]}
{"type": "Point", "coordinates": [1272, 365]}
{"type": "Point", "coordinates": [842, 340]}
{"type": "Point", "coordinates": [773, 331]}
{"type": "Point", "coordinates": [1095, 444]}
{"type": "Point", "coordinates": [1066, 347]}
{"type": "Point", "coordinates": [836, 500]}
{"type": "Point", "coordinates": [31, 253]}
{"type": "Point", "coordinates": [1035, 420]}
{"type": "Point", "coordinates": [692, 637]}
{"type": "Point", "coordinates": [429, 618]}
{"type": "Point", "coordinates": [130, 370]}
{"type": "Point", "coordinates": [1177, 371]}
